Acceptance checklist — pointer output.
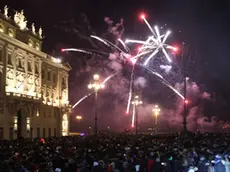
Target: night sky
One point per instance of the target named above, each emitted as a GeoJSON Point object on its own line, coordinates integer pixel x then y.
{"type": "Point", "coordinates": [203, 25]}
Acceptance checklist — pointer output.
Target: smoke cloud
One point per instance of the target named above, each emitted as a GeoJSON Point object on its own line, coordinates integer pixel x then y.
{"type": "Point", "coordinates": [167, 68]}
{"type": "Point", "coordinates": [140, 82]}
{"type": "Point", "coordinates": [173, 118]}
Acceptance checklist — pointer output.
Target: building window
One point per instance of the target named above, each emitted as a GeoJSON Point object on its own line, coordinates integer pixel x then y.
{"type": "Point", "coordinates": [1, 55]}
{"type": "Point", "coordinates": [1, 133]}
{"type": "Point", "coordinates": [44, 133]}
{"type": "Point", "coordinates": [49, 134]}
{"type": "Point", "coordinates": [50, 113]}
{"type": "Point", "coordinates": [11, 133]}
{"type": "Point", "coordinates": [10, 59]}
{"type": "Point", "coordinates": [49, 76]}
{"type": "Point", "coordinates": [44, 114]}
{"type": "Point", "coordinates": [36, 68]}
{"type": "Point", "coordinates": [55, 132]}
{"type": "Point", "coordinates": [29, 66]}
{"type": "Point", "coordinates": [63, 83]}
{"type": "Point", "coordinates": [54, 78]}
{"type": "Point", "coordinates": [43, 74]}
{"type": "Point", "coordinates": [31, 132]}
{"type": "Point", "coordinates": [38, 132]}
{"type": "Point", "coordinates": [20, 63]}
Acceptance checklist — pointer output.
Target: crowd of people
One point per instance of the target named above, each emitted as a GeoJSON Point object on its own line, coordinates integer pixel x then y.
{"type": "Point", "coordinates": [118, 153]}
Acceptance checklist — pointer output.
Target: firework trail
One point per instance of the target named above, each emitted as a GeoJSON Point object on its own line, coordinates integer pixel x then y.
{"type": "Point", "coordinates": [130, 89]}
{"type": "Point", "coordinates": [100, 39]}
{"type": "Point", "coordinates": [124, 45]}
{"type": "Point", "coordinates": [172, 88]}
{"type": "Point", "coordinates": [133, 115]}
{"type": "Point", "coordinates": [163, 80]}
{"type": "Point", "coordinates": [77, 50]}
{"type": "Point", "coordinates": [86, 51]}
{"type": "Point", "coordinates": [109, 77]}
{"type": "Point", "coordinates": [106, 42]}
{"type": "Point", "coordinates": [83, 98]}
{"type": "Point", "coordinates": [147, 23]}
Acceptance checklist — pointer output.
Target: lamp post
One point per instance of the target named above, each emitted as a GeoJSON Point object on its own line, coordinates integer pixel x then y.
{"type": "Point", "coordinates": [136, 102]}
{"type": "Point", "coordinates": [185, 65]}
{"type": "Point", "coordinates": [96, 85]}
{"type": "Point", "coordinates": [156, 111]}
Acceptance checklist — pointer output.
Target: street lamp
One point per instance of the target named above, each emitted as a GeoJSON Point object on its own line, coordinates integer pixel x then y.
{"type": "Point", "coordinates": [185, 65]}
{"type": "Point", "coordinates": [79, 118]}
{"type": "Point", "coordinates": [96, 85]}
{"type": "Point", "coordinates": [156, 111]}
{"type": "Point", "coordinates": [136, 102]}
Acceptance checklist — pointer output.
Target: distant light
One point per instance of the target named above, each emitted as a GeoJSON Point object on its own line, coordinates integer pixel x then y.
{"type": "Point", "coordinates": [62, 50]}
{"type": "Point", "coordinates": [96, 77]}
{"type": "Point", "coordinates": [56, 60]}
{"type": "Point", "coordinates": [186, 101]}
{"type": "Point", "coordinates": [132, 126]}
{"type": "Point", "coordinates": [78, 117]}
{"type": "Point", "coordinates": [82, 134]}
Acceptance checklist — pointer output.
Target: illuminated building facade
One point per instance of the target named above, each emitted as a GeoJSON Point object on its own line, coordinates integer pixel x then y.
{"type": "Point", "coordinates": [33, 85]}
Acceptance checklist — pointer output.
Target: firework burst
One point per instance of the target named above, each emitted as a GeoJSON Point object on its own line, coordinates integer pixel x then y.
{"type": "Point", "coordinates": [154, 43]}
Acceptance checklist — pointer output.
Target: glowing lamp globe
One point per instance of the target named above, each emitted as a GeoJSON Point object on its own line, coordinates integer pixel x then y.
{"type": "Point", "coordinates": [96, 77]}
{"type": "Point", "coordinates": [90, 86]}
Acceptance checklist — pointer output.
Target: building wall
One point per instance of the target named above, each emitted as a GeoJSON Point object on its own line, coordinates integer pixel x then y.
{"type": "Point", "coordinates": [32, 83]}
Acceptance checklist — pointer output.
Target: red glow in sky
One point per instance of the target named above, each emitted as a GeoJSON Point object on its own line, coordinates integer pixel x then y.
{"type": "Point", "coordinates": [186, 101]}
{"type": "Point", "coordinates": [176, 49]}
{"type": "Point", "coordinates": [142, 16]}
{"type": "Point", "coordinates": [62, 50]}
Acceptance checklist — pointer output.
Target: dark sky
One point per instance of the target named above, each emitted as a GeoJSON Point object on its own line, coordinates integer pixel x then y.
{"type": "Point", "coordinates": [204, 25]}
